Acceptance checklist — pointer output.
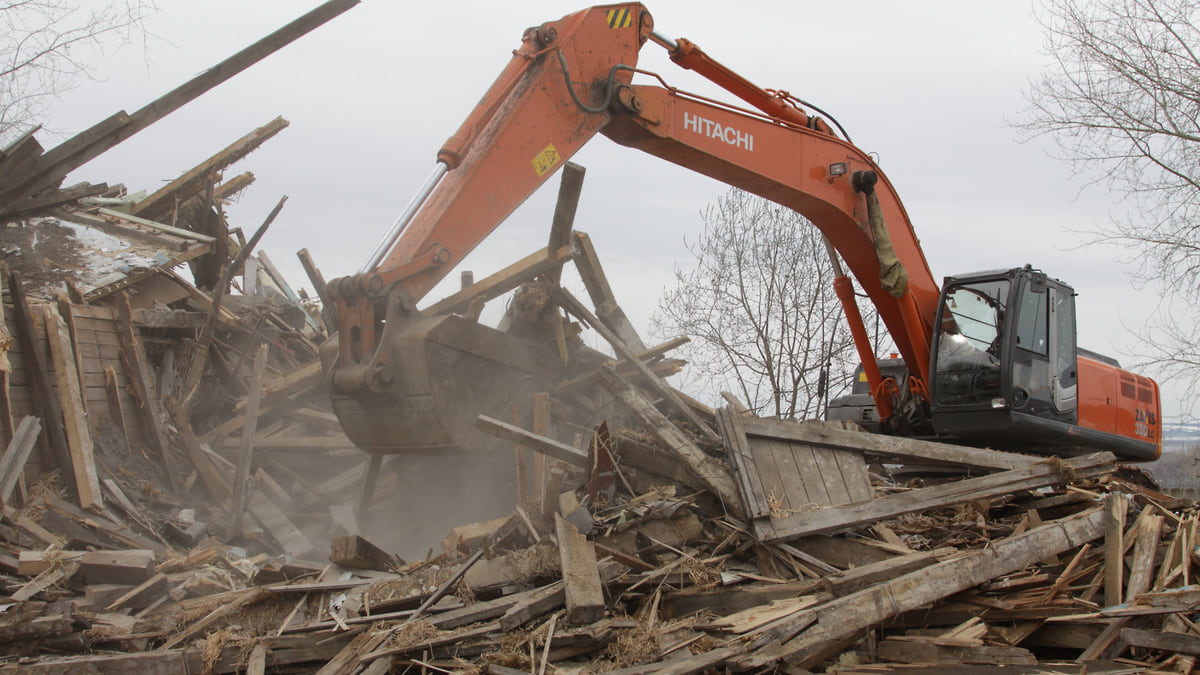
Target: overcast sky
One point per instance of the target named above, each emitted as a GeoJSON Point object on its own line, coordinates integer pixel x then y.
{"type": "Point", "coordinates": [930, 87]}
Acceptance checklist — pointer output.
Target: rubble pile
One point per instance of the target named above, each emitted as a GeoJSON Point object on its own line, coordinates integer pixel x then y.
{"type": "Point", "coordinates": [179, 496]}
{"type": "Point", "coordinates": [149, 526]}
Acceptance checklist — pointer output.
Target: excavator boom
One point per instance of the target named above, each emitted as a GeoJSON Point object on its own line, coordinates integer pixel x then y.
{"type": "Point", "coordinates": [570, 80]}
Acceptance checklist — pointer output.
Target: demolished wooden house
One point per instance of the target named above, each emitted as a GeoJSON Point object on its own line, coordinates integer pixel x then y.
{"type": "Point", "coordinates": [178, 496]}
{"type": "Point", "coordinates": [148, 527]}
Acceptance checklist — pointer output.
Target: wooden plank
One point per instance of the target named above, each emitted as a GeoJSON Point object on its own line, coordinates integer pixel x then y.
{"type": "Point", "coordinates": [45, 580]}
{"type": "Point", "coordinates": [37, 371]}
{"type": "Point", "coordinates": [652, 354]}
{"type": "Point", "coordinates": [168, 318]}
{"type": "Point", "coordinates": [328, 306]}
{"type": "Point", "coordinates": [66, 311]}
{"type": "Point", "coordinates": [116, 408]}
{"type": "Point", "coordinates": [241, 481]}
{"type": "Point", "coordinates": [581, 576]}
{"type": "Point", "coordinates": [282, 284]}
{"type": "Point", "coordinates": [79, 437]}
{"type": "Point", "coordinates": [214, 481]}
{"type": "Point", "coordinates": [706, 468]}
{"type": "Point", "coordinates": [19, 449]}
{"type": "Point", "coordinates": [294, 442]}
{"type": "Point", "coordinates": [1141, 568]}
{"type": "Point", "coordinates": [780, 499]}
{"type": "Point", "coordinates": [1179, 643]}
{"type": "Point", "coordinates": [196, 180]}
{"type": "Point", "coordinates": [1050, 472]}
{"type": "Point", "coordinates": [158, 227]}
{"type": "Point", "coordinates": [273, 520]}
{"type": "Point", "coordinates": [846, 616]}
{"type": "Point", "coordinates": [854, 472]}
{"type": "Point", "coordinates": [7, 428]}
{"type": "Point", "coordinates": [33, 563]}
{"type": "Point", "coordinates": [355, 552]}
{"type": "Point", "coordinates": [1115, 507]}
{"type": "Point", "coordinates": [603, 299]}
{"type": "Point", "coordinates": [239, 601]}
{"type": "Point", "coordinates": [659, 385]}
{"type": "Point", "coordinates": [142, 595]}
{"type": "Point", "coordinates": [139, 378]}
{"type": "Point", "coordinates": [117, 531]}
{"type": "Point", "coordinates": [117, 567]}
{"type": "Point", "coordinates": [494, 285]}
{"type": "Point", "coordinates": [797, 465]}
{"type": "Point", "coordinates": [830, 472]}
{"type": "Point", "coordinates": [302, 379]}
{"type": "Point", "coordinates": [532, 441]}
{"type": "Point", "coordinates": [906, 449]}
{"type": "Point", "coordinates": [754, 493]}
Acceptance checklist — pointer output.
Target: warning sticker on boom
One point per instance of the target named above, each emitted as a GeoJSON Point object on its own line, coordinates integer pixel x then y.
{"type": "Point", "coordinates": [620, 18]}
{"type": "Point", "coordinates": [546, 160]}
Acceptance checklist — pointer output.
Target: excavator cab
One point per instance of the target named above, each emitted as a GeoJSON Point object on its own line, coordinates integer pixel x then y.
{"type": "Point", "coordinates": [1006, 371]}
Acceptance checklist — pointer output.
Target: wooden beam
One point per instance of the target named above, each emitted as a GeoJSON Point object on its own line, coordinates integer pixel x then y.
{"type": "Point", "coordinates": [328, 306]}
{"type": "Point", "coordinates": [1115, 507]}
{"type": "Point", "coordinates": [1145, 549]}
{"type": "Point", "coordinates": [495, 285]}
{"type": "Point", "coordinates": [195, 180]}
{"type": "Point", "coordinates": [623, 366]}
{"type": "Point", "coordinates": [282, 284]}
{"type": "Point", "coordinates": [1179, 643]}
{"type": "Point", "coordinates": [19, 448]}
{"type": "Point", "coordinates": [581, 576]}
{"type": "Point", "coordinates": [6, 342]}
{"type": "Point", "coordinates": [279, 526]}
{"type": "Point", "coordinates": [570, 186]}
{"type": "Point", "coordinates": [79, 437]}
{"type": "Point", "coordinates": [846, 616]}
{"type": "Point", "coordinates": [214, 481]}
{"type": "Point", "coordinates": [355, 552]}
{"type": "Point", "coordinates": [168, 318]}
{"type": "Point", "coordinates": [241, 483]}
{"type": "Point", "coordinates": [707, 469]}
{"type": "Point", "coordinates": [159, 227]}
{"type": "Point", "coordinates": [116, 408]}
{"type": "Point", "coordinates": [138, 371]}
{"type": "Point", "coordinates": [623, 350]}
{"type": "Point", "coordinates": [195, 370]}
{"type": "Point", "coordinates": [1053, 471]}
{"type": "Point", "coordinates": [37, 371]}
{"type": "Point", "coordinates": [532, 441]}
{"type": "Point", "coordinates": [907, 449]}
{"type": "Point", "coordinates": [603, 299]}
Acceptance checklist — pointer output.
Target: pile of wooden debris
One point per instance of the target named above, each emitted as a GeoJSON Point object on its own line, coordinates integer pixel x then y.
{"type": "Point", "coordinates": [149, 526]}
{"type": "Point", "coordinates": [178, 496]}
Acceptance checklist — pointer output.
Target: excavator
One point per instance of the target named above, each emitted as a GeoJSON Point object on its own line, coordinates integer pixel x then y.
{"type": "Point", "coordinates": [987, 358]}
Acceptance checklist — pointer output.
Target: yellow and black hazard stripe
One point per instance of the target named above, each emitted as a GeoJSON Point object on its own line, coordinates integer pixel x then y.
{"type": "Point", "coordinates": [620, 18]}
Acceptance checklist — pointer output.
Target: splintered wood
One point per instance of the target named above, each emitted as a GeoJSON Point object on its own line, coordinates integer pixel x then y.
{"type": "Point", "coordinates": [177, 493]}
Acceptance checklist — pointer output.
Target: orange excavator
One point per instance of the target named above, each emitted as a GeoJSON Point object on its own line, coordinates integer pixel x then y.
{"type": "Point", "coordinates": [988, 358]}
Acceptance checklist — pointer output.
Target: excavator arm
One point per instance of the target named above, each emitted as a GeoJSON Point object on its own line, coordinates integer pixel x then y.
{"type": "Point", "coordinates": [570, 80]}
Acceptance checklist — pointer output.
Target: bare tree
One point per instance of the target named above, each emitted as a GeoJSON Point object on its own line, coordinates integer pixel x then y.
{"type": "Point", "coordinates": [47, 47]}
{"type": "Point", "coordinates": [1122, 103]}
{"type": "Point", "coordinates": [760, 309]}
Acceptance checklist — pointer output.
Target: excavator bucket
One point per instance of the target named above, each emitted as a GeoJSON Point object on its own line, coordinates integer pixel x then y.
{"type": "Point", "coordinates": [449, 371]}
